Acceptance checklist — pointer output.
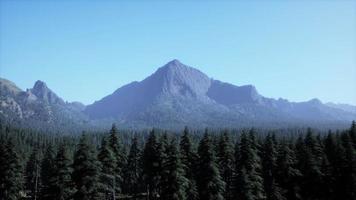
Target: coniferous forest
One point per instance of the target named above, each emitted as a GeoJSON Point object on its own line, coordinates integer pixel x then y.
{"type": "Point", "coordinates": [247, 164]}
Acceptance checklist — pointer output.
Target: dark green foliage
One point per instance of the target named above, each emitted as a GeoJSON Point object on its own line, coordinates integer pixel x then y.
{"type": "Point", "coordinates": [348, 168]}
{"type": "Point", "coordinates": [249, 181]}
{"type": "Point", "coordinates": [11, 177]}
{"type": "Point", "coordinates": [133, 171]}
{"type": "Point", "coordinates": [33, 175]}
{"type": "Point", "coordinates": [151, 165]}
{"type": "Point", "coordinates": [108, 166]}
{"type": "Point", "coordinates": [210, 184]}
{"type": "Point", "coordinates": [86, 171]}
{"type": "Point", "coordinates": [61, 181]}
{"type": "Point", "coordinates": [115, 144]}
{"type": "Point", "coordinates": [47, 174]}
{"type": "Point", "coordinates": [225, 154]}
{"type": "Point", "coordinates": [174, 184]}
{"type": "Point", "coordinates": [353, 133]}
{"type": "Point", "coordinates": [316, 165]}
{"type": "Point", "coordinates": [287, 174]}
{"type": "Point", "coordinates": [269, 161]}
{"type": "Point", "coordinates": [309, 155]}
{"type": "Point", "coordinates": [189, 160]}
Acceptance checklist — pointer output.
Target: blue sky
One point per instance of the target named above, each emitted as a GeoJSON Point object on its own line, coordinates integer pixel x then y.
{"type": "Point", "coordinates": [85, 50]}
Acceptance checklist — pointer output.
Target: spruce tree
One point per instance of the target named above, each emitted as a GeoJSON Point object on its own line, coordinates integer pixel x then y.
{"type": "Point", "coordinates": [133, 171]}
{"type": "Point", "coordinates": [107, 175]}
{"type": "Point", "coordinates": [189, 160]}
{"type": "Point", "coordinates": [62, 180]}
{"type": "Point", "coordinates": [151, 166]}
{"type": "Point", "coordinates": [348, 168]}
{"type": "Point", "coordinates": [226, 162]}
{"type": "Point", "coordinates": [85, 171]}
{"type": "Point", "coordinates": [10, 171]}
{"type": "Point", "coordinates": [353, 133]}
{"type": "Point", "coordinates": [310, 161]}
{"type": "Point", "coordinates": [329, 169]}
{"type": "Point", "coordinates": [174, 184]}
{"type": "Point", "coordinates": [269, 161]}
{"type": "Point", "coordinates": [209, 182]}
{"type": "Point", "coordinates": [249, 180]}
{"type": "Point", "coordinates": [116, 147]}
{"type": "Point", "coordinates": [163, 144]}
{"type": "Point", "coordinates": [47, 174]}
{"type": "Point", "coordinates": [33, 175]}
{"type": "Point", "coordinates": [287, 173]}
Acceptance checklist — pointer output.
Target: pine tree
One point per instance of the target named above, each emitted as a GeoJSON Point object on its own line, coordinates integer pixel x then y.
{"type": "Point", "coordinates": [47, 174]}
{"type": "Point", "coordinates": [133, 171]}
{"type": "Point", "coordinates": [209, 182]}
{"type": "Point", "coordinates": [226, 163]}
{"type": "Point", "coordinates": [151, 165]}
{"type": "Point", "coordinates": [86, 171]}
{"type": "Point", "coordinates": [163, 144]}
{"type": "Point", "coordinates": [269, 161]}
{"type": "Point", "coordinates": [33, 178]}
{"type": "Point", "coordinates": [348, 168]}
{"type": "Point", "coordinates": [329, 164]}
{"type": "Point", "coordinates": [353, 133]}
{"type": "Point", "coordinates": [189, 160]}
{"type": "Point", "coordinates": [120, 158]}
{"type": "Point", "coordinates": [174, 183]}
{"type": "Point", "coordinates": [10, 171]}
{"type": "Point", "coordinates": [62, 180]}
{"type": "Point", "coordinates": [310, 160]}
{"type": "Point", "coordinates": [249, 181]}
{"type": "Point", "coordinates": [107, 176]}
{"type": "Point", "coordinates": [287, 173]}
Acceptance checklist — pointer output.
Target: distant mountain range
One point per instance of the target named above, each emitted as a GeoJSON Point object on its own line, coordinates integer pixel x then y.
{"type": "Point", "coordinates": [174, 96]}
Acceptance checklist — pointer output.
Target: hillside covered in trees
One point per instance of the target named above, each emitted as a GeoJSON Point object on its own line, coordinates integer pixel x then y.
{"type": "Point", "coordinates": [192, 165]}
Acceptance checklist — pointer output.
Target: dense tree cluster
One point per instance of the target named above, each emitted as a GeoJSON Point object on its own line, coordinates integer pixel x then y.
{"type": "Point", "coordinates": [214, 165]}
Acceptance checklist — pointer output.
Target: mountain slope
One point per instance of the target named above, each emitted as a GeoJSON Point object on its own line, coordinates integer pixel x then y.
{"type": "Point", "coordinates": [177, 95]}
{"type": "Point", "coordinates": [174, 96]}
{"type": "Point", "coordinates": [38, 107]}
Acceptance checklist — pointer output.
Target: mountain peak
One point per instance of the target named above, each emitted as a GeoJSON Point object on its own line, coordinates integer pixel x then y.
{"type": "Point", "coordinates": [174, 62]}
{"type": "Point", "coordinates": [179, 79]}
{"type": "Point", "coordinates": [40, 86]}
{"type": "Point", "coordinates": [41, 91]}
{"type": "Point", "coordinates": [175, 65]}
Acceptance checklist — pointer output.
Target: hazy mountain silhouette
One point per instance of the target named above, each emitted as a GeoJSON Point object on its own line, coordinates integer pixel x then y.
{"type": "Point", "coordinates": [38, 107]}
{"type": "Point", "coordinates": [177, 95]}
{"type": "Point", "coordinates": [172, 97]}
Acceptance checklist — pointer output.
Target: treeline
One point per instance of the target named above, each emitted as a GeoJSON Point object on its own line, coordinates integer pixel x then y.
{"type": "Point", "coordinates": [161, 166]}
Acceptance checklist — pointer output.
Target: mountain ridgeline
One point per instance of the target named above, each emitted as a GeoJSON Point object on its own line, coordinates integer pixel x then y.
{"type": "Point", "coordinates": [174, 96]}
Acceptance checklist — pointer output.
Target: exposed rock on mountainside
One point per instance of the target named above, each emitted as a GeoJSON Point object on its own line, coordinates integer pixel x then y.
{"type": "Point", "coordinates": [178, 95]}
{"type": "Point", "coordinates": [38, 107]}
{"type": "Point", "coordinates": [174, 96]}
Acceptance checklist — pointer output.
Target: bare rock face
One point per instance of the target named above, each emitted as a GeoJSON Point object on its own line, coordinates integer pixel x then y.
{"type": "Point", "coordinates": [174, 96]}
{"type": "Point", "coordinates": [41, 91]}
{"type": "Point", "coordinates": [179, 79]}
{"type": "Point", "coordinates": [178, 95]}
{"type": "Point", "coordinates": [38, 107]}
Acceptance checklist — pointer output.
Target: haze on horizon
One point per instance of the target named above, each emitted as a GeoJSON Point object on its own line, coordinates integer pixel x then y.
{"type": "Point", "coordinates": [85, 50]}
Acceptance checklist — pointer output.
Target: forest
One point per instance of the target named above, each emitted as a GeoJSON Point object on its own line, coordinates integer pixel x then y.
{"type": "Point", "coordinates": [247, 164]}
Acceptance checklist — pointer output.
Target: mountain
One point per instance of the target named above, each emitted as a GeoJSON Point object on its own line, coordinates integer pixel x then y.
{"type": "Point", "coordinates": [38, 107]}
{"type": "Point", "coordinates": [174, 96]}
{"type": "Point", "coordinates": [344, 107]}
{"type": "Point", "coordinates": [177, 95]}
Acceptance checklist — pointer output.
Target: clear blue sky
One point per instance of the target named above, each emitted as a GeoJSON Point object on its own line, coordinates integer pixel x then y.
{"type": "Point", "coordinates": [85, 50]}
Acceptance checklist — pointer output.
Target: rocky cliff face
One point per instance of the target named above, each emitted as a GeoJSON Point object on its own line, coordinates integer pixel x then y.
{"type": "Point", "coordinates": [172, 97]}
{"type": "Point", "coordinates": [37, 107]}
{"type": "Point", "coordinates": [177, 94]}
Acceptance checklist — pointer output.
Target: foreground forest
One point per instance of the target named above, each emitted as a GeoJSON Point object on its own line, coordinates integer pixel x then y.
{"type": "Point", "coordinates": [209, 165]}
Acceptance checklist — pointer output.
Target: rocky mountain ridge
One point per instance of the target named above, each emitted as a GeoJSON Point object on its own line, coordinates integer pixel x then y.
{"type": "Point", "coordinates": [174, 96]}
